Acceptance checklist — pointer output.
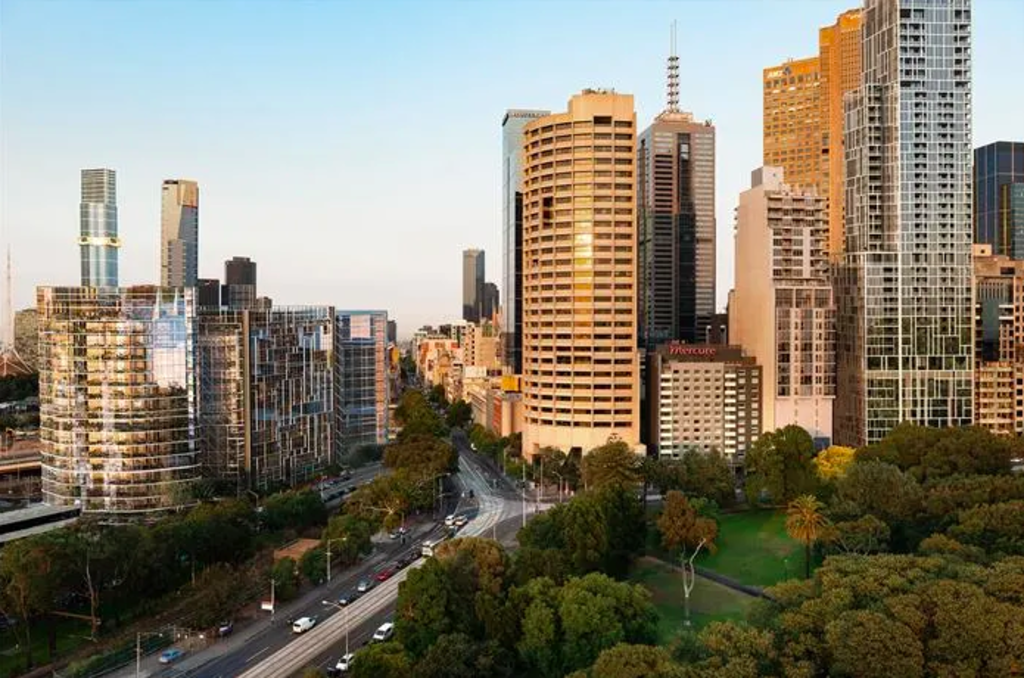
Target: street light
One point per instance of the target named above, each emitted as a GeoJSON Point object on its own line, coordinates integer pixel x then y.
{"type": "Point", "coordinates": [343, 608]}
{"type": "Point", "coordinates": [138, 648]}
{"type": "Point", "coordinates": [329, 555]}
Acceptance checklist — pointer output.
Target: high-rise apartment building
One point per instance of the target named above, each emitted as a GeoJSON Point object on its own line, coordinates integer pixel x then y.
{"type": "Point", "coordinates": [512, 234]}
{"type": "Point", "coordinates": [98, 241]}
{"type": "Point", "coordinates": [782, 310]}
{"type": "Point", "coordinates": [999, 197]}
{"type": "Point", "coordinates": [580, 372]}
{"type": "Point", "coordinates": [705, 398]}
{"type": "Point", "coordinates": [839, 62]}
{"type": "Point", "coordinates": [792, 120]}
{"type": "Point", "coordinates": [999, 342]}
{"type": "Point", "coordinates": [361, 379]}
{"type": "Point", "coordinates": [239, 289]}
{"type": "Point", "coordinates": [179, 233]}
{"type": "Point", "coordinates": [906, 313]}
{"type": "Point", "coordinates": [117, 398]}
{"type": "Point", "coordinates": [676, 224]}
{"type": "Point", "coordinates": [472, 285]}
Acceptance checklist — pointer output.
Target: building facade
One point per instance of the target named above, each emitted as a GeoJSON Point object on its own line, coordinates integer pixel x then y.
{"type": "Point", "coordinates": [472, 285]}
{"type": "Point", "coordinates": [999, 197]}
{"type": "Point", "coordinates": [704, 398]}
{"type": "Point", "coordinates": [361, 379]}
{"type": "Point", "coordinates": [580, 370]}
{"type": "Point", "coordinates": [839, 63]}
{"type": "Point", "coordinates": [239, 290]}
{"type": "Point", "coordinates": [999, 342]}
{"type": "Point", "coordinates": [117, 398]}
{"type": "Point", "coordinates": [491, 302]}
{"type": "Point", "coordinates": [906, 312]}
{"type": "Point", "coordinates": [792, 120]}
{"type": "Point", "coordinates": [512, 234]}
{"type": "Point", "coordinates": [179, 233]}
{"type": "Point", "coordinates": [782, 311]}
{"type": "Point", "coordinates": [98, 242]}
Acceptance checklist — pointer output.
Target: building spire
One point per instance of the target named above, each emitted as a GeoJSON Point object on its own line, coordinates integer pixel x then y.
{"type": "Point", "coordinates": [673, 74]}
{"type": "Point", "coordinates": [7, 336]}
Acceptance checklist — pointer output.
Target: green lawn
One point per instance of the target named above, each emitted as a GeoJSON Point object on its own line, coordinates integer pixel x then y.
{"type": "Point", "coordinates": [754, 549]}
{"type": "Point", "coordinates": [709, 601]}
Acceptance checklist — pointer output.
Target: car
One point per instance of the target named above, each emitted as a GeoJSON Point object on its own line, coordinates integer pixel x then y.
{"type": "Point", "coordinates": [225, 628]}
{"type": "Point", "coordinates": [385, 574]}
{"type": "Point", "coordinates": [403, 561]}
{"type": "Point", "coordinates": [303, 624]}
{"type": "Point", "coordinates": [364, 586]}
{"type": "Point", "coordinates": [449, 521]}
{"type": "Point", "coordinates": [346, 598]}
{"type": "Point", "coordinates": [345, 662]}
{"type": "Point", "coordinates": [461, 521]}
{"type": "Point", "coordinates": [171, 655]}
{"type": "Point", "coordinates": [471, 495]}
{"type": "Point", "coordinates": [394, 534]}
{"type": "Point", "coordinates": [384, 633]}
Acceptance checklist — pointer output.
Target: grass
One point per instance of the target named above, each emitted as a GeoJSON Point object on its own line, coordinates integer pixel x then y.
{"type": "Point", "coordinates": [709, 601]}
{"type": "Point", "coordinates": [754, 549]}
{"type": "Point", "coordinates": [71, 635]}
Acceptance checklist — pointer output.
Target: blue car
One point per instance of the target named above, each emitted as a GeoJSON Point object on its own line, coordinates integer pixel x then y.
{"type": "Point", "coordinates": [171, 655]}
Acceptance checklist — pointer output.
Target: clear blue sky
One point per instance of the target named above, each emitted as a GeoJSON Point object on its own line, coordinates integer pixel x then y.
{"type": "Point", "coordinates": [353, 148]}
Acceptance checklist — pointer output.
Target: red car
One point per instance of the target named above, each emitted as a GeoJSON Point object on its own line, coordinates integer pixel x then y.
{"type": "Point", "coordinates": [385, 574]}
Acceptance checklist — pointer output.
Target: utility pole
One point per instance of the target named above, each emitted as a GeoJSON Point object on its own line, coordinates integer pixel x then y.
{"type": "Point", "coordinates": [524, 493]}
{"type": "Point", "coordinates": [138, 655]}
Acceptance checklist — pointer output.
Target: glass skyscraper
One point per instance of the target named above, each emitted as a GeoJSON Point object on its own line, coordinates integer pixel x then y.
{"type": "Point", "coordinates": [98, 241]}
{"type": "Point", "coordinates": [179, 233]}
{"type": "Point", "coordinates": [472, 285]}
{"type": "Point", "coordinates": [361, 379]}
{"type": "Point", "coordinates": [905, 308]}
{"type": "Point", "coordinates": [998, 187]}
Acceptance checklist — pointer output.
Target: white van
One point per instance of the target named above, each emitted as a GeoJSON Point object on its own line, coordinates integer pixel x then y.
{"type": "Point", "coordinates": [304, 624]}
{"type": "Point", "coordinates": [384, 633]}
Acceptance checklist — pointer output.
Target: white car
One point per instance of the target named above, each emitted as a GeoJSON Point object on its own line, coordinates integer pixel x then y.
{"type": "Point", "coordinates": [384, 633]}
{"type": "Point", "coordinates": [304, 624]}
{"type": "Point", "coordinates": [449, 520]}
{"type": "Point", "coordinates": [461, 521]}
{"type": "Point", "coordinates": [345, 663]}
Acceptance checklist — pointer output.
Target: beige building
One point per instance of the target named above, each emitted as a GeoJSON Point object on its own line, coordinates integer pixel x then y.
{"type": "Point", "coordinates": [480, 346]}
{"type": "Point", "coordinates": [580, 369]}
{"type": "Point", "coordinates": [179, 233]}
{"type": "Point", "coordinates": [792, 120]}
{"type": "Point", "coordinates": [782, 311]}
{"type": "Point", "coordinates": [999, 342]}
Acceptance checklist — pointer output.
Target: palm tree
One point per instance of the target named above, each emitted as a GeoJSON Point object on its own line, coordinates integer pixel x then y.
{"type": "Point", "coordinates": [805, 522]}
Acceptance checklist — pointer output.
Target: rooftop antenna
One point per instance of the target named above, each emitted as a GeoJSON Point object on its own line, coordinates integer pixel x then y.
{"type": "Point", "coordinates": [673, 75]}
{"type": "Point", "coordinates": [7, 340]}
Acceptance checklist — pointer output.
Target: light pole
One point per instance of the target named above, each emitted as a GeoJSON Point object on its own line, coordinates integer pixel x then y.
{"type": "Point", "coordinates": [342, 539]}
{"type": "Point", "coordinates": [524, 493]}
{"type": "Point", "coordinates": [345, 610]}
{"type": "Point", "coordinates": [138, 649]}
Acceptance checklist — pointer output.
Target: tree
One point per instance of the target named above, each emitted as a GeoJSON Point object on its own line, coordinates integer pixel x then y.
{"type": "Point", "coordinates": [996, 528]}
{"type": "Point", "coordinates": [635, 661]}
{"type": "Point", "coordinates": [868, 644]}
{"type": "Point", "coordinates": [31, 577]}
{"type": "Point", "coordinates": [779, 464]}
{"type": "Point", "coordinates": [383, 660]}
{"type": "Point", "coordinates": [930, 453]}
{"type": "Point", "coordinates": [832, 462]}
{"type": "Point", "coordinates": [805, 522]}
{"type": "Point", "coordinates": [865, 535]}
{"type": "Point", "coordinates": [457, 655]}
{"type": "Point", "coordinates": [313, 565]}
{"type": "Point", "coordinates": [882, 490]}
{"type": "Point", "coordinates": [350, 536]}
{"type": "Point", "coordinates": [684, 532]}
{"type": "Point", "coordinates": [283, 575]}
{"type": "Point", "coordinates": [459, 414]}
{"type": "Point", "coordinates": [613, 463]}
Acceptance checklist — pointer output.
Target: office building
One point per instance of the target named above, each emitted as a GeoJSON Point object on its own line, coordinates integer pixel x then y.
{"type": "Point", "coordinates": [117, 398]}
{"type": "Point", "coordinates": [676, 208]}
{"type": "Point", "coordinates": [839, 62]}
{"type": "Point", "coordinates": [782, 310]}
{"type": "Point", "coordinates": [512, 234]}
{"type": "Point", "coordinates": [239, 291]}
{"type": "Point", "coordinates": [580, 371]}
{"type": "Point", "coordinates": [392, 332]}
{"type": "Point", "coordinates": [361, 379]}
{"type": "Point", "coordinates": [999, 336]}
{"type": "Point", "coordinates": [704, 398]}
{"type": "Point", "coordinates": [472, 285]}
{"type": "Point", "coordinates": [480, 346]}
{"type": "Point", "coordinates": [208, 292]}
{"type": "Point", "coordinates": [905, 307]}
{"type": "Point", "coordinates": [98, 242]}
{"type": "Point", "coordinates": [999, 197]}
{"type": "Point", "coordinates": [792, 120]}
{"type": "Point", "coordinates": [491, 302]}
{"type": "Point", "coordinates": [179, 233]}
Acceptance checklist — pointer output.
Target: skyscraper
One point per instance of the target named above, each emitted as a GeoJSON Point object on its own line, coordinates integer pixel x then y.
{"type": "Point", "coordinates": [491, 302]}
{"type": "Point", "coordinates": [792, 120]}
{"type": "Point", "coordinates": [839, 60]}
{"type": "Point", "coordinates": [999, 197]}
{"type": "Point", "coordinates": [580, 370]}
{"type": "Point", "coordinates": [360, 379]}
{"type": "Point", "coordinates": [512, 234]}
{"type": "Point", "coordinates": [905, 309]}
{"type": "Point", "coordinates": [472, 284]}
{"type": "Point", "coordinates": [676, 208]}
{"type": "Point", "coordinates": [98, 239]}
{"type": "Point", "coordinates": [782, 310]}
{"type": "Point", "coordinates": [239, 289]}
{"type": "Point", "coordinates": [179, 233]}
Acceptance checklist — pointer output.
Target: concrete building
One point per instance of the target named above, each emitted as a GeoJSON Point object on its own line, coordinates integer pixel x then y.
{"type": "Point", "coordinates": [472, 285]}
{"type": "Point", "coordinates": [361, 384]}
{"type": "Point", "coordinates": [676, 224]}
{"type": "Point", "coordinates": [512, 234]}
{"type": "Point", "coordinates": [239, 290]}
{"type": "Point", "coordinates": [179, 233]}
{"type": "Point", "coordinates": [792, 120]}
{"type": "Point", "coordinates": [705, 398]}
{"type": "Point", "coordinates": [491, 303]}
{"type": "Point", "coordinates": [117, 398]}
{"type": "Point", "coordinates": [906, 311]}
{"type": "Point", "coordinates": [999, 197]}
{"type": "Point", "coordinates": [839, 62]}
{"type": "Point", "coordinates": [480, 346]}
{"type": "Point", "coordinates": [999, 342]}
{"type": "Point", "coordinates": [782, 310]}
{"type": "Point", "coordinates": [98, 242]}
{"type": "Point", "coordinates": [580, 371]}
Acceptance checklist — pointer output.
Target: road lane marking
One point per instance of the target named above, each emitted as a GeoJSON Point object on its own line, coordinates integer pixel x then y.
{"type": "Point", "coordinates": [257, 654]}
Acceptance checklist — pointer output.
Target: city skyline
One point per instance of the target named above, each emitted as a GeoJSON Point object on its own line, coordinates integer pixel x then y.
{"type": "Point", "coordinates": [234, 143]}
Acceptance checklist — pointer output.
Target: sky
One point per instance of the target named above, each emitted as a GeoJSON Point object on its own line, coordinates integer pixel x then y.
{"type": "Point", "coordinates": [353, 149]}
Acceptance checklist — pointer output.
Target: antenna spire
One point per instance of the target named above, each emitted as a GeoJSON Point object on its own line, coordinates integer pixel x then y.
{"type": "Point", "coordinates": [673, 75]}
{"type": "Point", "coordinates": [7, 340]}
